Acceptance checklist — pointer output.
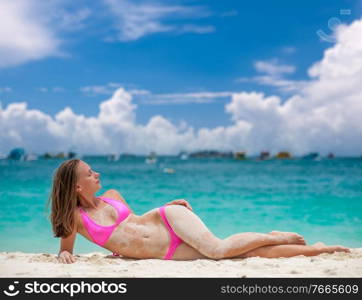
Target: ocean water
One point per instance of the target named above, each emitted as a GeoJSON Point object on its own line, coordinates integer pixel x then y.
{"type": "Point", "coordinates": [322, 200]}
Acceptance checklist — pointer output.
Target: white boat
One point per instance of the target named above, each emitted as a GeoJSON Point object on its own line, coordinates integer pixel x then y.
{"type": "Point", "coordinates": [183, 155]}
{"type": "Point", "coordinates": [169, 170]}
{"type": "Point", "coordinates": [29, 157]}
{"type": "Point", "coordinates": [151, 159]}
{"type": "Point", "coordinates": [113, 157]}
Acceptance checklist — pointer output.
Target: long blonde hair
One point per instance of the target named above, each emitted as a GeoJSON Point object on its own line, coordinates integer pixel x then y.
{"type": "Point", "coordinates": [64, 198]}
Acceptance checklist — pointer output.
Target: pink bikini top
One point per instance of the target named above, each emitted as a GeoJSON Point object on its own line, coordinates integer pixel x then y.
{"type": "Point", "coordinates": [99, 233]}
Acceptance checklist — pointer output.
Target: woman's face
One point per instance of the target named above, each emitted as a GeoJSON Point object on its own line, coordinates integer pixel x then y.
{"type": "Point", "coordinates": [88, 180]}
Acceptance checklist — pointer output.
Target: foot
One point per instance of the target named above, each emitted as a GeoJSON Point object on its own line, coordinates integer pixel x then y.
{"type": "Point", "coordinates": [289, 237]}
{"type": "Point", "coordinates": [322, 248]}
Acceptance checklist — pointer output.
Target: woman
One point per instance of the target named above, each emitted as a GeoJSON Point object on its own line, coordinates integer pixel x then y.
{"type": "Point", "coordinates": [172, 231]}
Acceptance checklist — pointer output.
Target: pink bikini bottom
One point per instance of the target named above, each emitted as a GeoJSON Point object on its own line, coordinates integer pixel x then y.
{"type": "Point", "coordinates": [175, 241]}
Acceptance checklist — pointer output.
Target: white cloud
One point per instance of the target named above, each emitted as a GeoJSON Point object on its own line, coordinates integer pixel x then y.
{"type": "Point", "coordinates": [274, 76]}
{"type": "Point", "coordinates": [55, 89]}
{"type": "Point", "coordinates": [184, 98]}
{"type": "Point", "coordinates": [323, 116]}
{"type": "Point", "coordinates": [176, 101]}
{"type": "Point", "coordinates": [196, 95]}
{"type": "Point", "coordinates": [32, 30]}
{"type": "Point", "coordinates": [23, 37]}
{"type": "Point", "coordinates": [109, 89]}
{"type": "Point", "coordinates": [284, 85]}
{"type": "Point", "coordinates": [118, 110]}
{"type": "Point", "coordinates": [273, 67]}
{"type": "Point", "coordinates": [106, 89]}
{"type": "Point", "coordinates": [325, 113]}
{"type": "Point", "coordinates": [138, 92]}
{"type": "Point", "coordinates": [74, 21]}
{"type": "Point", "coordinates": [113, 130]}
{"type": "Point", "coordinates": [136, 19]}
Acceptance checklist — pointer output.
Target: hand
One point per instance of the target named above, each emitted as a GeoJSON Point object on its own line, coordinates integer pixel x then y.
{"type": "Point", "coordinates": [180, 202]}
{"type": "Point", "coordinates": [66, 258]}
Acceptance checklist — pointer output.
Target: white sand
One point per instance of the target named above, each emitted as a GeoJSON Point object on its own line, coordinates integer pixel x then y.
{"type": "Point", "coordinates": [18, 264]}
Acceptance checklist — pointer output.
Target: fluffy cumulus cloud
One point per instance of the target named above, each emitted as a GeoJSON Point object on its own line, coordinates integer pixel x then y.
{"type": "Point", "coordinates": [323, 115]}
{"type": "Point", "coordinates": [113, 130]}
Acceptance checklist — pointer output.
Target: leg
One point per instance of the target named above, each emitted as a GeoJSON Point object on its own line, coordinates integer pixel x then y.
{"type": "Point", "coordinates": [293, 250]}
{"type": "Point", "coordinates": [193, 231]}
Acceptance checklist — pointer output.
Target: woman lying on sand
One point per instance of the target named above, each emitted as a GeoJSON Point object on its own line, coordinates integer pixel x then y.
{"type": "Point", "coordinates": [172, 231]}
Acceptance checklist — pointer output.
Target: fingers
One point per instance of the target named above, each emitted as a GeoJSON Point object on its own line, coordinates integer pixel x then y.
{"type": "Point", "coordinates": [66, 259]}
{"type": "Point", "coordinates": [180, 202]}
{"type": "Point", "coordinates": [62, 260]}
{"type": "Point", "coordinates": [185, 203]}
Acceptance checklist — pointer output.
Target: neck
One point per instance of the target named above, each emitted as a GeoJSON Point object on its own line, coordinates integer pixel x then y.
{"type": "Point", "coordinates": [89, 201]}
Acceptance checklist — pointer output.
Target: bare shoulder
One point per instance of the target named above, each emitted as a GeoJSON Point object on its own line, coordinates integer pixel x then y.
{"type": "Point", "coordinates": [113, 194]}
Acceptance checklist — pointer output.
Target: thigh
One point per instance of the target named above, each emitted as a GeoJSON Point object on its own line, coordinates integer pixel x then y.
{"type": "Point", "coordinates": [186, 252]}
{"type": "Point", "coordinates": [190, 228]}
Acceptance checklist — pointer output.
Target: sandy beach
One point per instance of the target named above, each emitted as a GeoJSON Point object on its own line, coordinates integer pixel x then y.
{"type": "Point", "coordinates": [97, 264]}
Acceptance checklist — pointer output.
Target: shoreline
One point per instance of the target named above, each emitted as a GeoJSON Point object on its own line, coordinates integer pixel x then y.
{"type": "Point", "coordinates": [97, 264]}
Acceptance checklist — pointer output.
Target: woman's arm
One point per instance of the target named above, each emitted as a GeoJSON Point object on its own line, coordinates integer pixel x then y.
{"type": "Point", "coordinates": [114, 194]}
{"type": "Point", "coordinates": [65, 255]}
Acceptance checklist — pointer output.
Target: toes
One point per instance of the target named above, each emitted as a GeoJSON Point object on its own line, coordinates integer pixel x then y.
{"type": "Point", "coordinates": [341, 249]}
{"type": "Point", "coordinates": [344, 249]}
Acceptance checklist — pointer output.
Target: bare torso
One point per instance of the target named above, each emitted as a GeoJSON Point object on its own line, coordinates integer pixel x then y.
{"type": "Point", "coordinates": [142, 236]}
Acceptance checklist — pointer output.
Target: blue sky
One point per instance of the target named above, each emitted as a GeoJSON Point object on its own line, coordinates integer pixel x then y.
{"type": "Point", "coordinates": [241, 32]}
{"type": "Point", "coordinates": [167, 54]}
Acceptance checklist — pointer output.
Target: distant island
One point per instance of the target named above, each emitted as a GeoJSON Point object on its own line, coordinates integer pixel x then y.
{"type": "Point", "coordinates": [22, 155]}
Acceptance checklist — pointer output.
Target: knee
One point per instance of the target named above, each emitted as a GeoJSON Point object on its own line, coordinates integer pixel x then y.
{"type": "Point", "coordinates": [217, 252]}
{"type": "Point", "coordinates": [176, 210]}
{"type": "Point", "coordinates": [215, 255]}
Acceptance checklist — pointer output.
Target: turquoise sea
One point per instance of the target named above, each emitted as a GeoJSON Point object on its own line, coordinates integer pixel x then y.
{"type": "Point", "coordinates": [322, 200]}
